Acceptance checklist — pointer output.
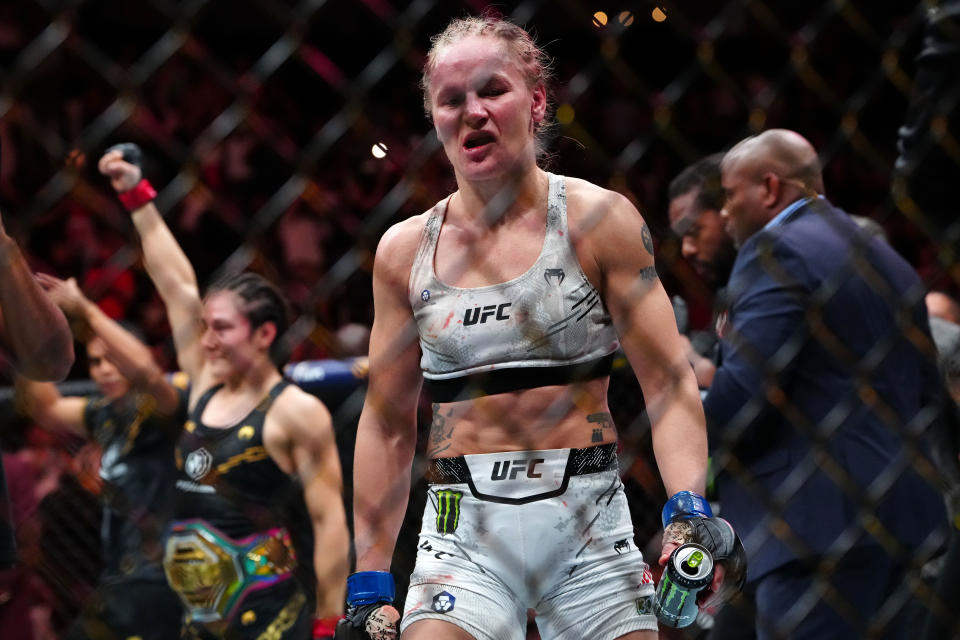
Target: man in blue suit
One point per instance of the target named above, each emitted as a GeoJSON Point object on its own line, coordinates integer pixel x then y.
{"type": "Point", "coordinates": [826, 387]}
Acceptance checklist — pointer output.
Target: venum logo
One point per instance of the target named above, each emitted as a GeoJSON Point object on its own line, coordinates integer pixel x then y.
{"type": "Point", "coordinates": [621, 545]}
{"type": "Point", "coordinates": [554, 273]}
{"type": "Point", "coordinates": [444, 602]}
{"type": "Point", "coordinates": [198, 463]}
{"type": "Point", "coordinates": [480, 314]}
{"type": "Point", "coordinates": [514, 468]}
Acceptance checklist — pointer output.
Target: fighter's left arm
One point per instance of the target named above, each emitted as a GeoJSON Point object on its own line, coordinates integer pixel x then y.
{"type": "Point", "coordinates": [309, 448]}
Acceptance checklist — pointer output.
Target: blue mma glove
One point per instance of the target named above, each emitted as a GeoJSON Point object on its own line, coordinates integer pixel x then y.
{"type": "Point", "coordinates": [687, 517]}
{"type": "Point", "coordinates": [370, 611]}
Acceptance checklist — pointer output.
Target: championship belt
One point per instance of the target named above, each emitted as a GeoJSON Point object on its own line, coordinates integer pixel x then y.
{"type": "Point", "coordinates": [212, 572]}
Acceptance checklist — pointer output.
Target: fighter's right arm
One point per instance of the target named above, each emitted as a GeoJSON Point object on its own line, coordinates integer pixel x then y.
{"type": "Point", "coordinates": [131, 357]}
{"type": "Point", "coordinates": [167, 265]}
{"type": "Point", "coordinates": [386, 434]}
{"type": "Point", "coordinates": [42, 402]}
{"type": "Point", "coordinates": [32, 329]}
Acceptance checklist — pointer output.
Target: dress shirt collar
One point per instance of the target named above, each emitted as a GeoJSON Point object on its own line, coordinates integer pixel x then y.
{"type": "Point", "coordinates": [785, 213]}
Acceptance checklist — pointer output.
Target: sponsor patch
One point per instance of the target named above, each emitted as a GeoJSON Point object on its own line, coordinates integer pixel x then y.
{"type": "Point", "coordinates": [554, 273]}
{"type": "Point", "coordinates": [198, 463]}
{"type": "Point", "coordinates": [448, 510]}
{"type": "Point", "coordinates": [444, 602]}
{"type": "Point", "coordinates": [645, 606]}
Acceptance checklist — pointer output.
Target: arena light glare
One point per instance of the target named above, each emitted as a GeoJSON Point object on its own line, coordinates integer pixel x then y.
{"type": "Point", "coordinates": [565, 114]}
{"type": "Point", "coordinates": [625, 18]}
{"type": "Point", "coordinates": [658, 14]}
{"type": "Point", "coordinates": [599, 19]}
{"type": "Point", "coordinates": [379, 150]}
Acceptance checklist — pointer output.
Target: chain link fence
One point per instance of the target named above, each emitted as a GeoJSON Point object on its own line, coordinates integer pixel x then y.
{"type": "Point", "coordinates": [286, 136]}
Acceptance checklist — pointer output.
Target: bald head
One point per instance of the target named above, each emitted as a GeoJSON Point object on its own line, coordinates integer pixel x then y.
{"type": "Point", "coordinates": [785, 153]}
{"type": "Point", "coordinates": [762, 175]}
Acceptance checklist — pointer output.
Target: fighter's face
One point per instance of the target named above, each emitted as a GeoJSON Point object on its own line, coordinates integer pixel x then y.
{"type": "Point", "coordinates": [103, 372]}
{"type": "Point", "coordinates": [483, 108]}
{"type": "Point", "coordinates": [704, 240]}
{"type": "Point", "coordinates": [226, 341]}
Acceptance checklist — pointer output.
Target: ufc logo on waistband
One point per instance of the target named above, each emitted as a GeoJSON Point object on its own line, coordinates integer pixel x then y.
{"type": "Point", "coordinates": [472, 316]}
{"type": "Point", "coordinates": [515, 468]}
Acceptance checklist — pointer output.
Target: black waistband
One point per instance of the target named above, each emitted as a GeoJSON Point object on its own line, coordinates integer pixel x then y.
{"type": "Point", "coordinates": [581, 461]}
{"type": "Point", "coordinates": [490, 383]}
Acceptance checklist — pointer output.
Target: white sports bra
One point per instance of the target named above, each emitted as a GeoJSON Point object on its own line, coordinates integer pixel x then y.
{"type": "Point", "coordinates": [547, 326]}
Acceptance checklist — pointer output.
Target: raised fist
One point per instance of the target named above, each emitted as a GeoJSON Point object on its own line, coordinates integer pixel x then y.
{"type": "Point", "coordinates": [121, 163]}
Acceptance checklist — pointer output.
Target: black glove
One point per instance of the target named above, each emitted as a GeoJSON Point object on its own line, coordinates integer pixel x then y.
{"type": "Point", "coordinates": [370, 614]}
{"type": "Point", "coordinates": [687, 517]}
{"type": "Point", "coordinates": [719, 538]}
{"type": "Point", "coordinates": [131, 153]}
{"type": "Point", "coordinates": [378, 621]}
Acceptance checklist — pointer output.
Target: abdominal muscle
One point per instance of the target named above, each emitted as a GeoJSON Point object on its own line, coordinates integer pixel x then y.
{"type": "Point", "coordinates": [554, 417]}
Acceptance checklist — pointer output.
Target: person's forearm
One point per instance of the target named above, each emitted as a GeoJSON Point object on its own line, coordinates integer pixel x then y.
{"type": "Point", "coordinates": [332, 564]}
{"type": "Point", "coordinates": [680, 439]}
{"type": "Point", "coordinates": [35, 398]}
{"type": "Point", "coordinates": [42, 402]}
{"type": "Point", "coordinates": [36, 330]}
{"type": "Point", "coordinates": [381, 481]}
{"type": "Point", "coordinates": [166, 263]}
{"type": "Point", "coordinates": [132, 357]}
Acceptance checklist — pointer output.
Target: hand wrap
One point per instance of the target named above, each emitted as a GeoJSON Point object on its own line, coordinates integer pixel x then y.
{"type": "Point", "coordinates": [370, 612]}
{"type": "Point", "coordinates": [141, 193]}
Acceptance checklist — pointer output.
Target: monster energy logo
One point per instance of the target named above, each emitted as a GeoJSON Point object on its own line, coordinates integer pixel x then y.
{"type": "Point", "coordinates": [448, 510]}
{"type": "Point", "coordinates": [671, 603]}
{"type": "Point", "coordinates": [672, 590]}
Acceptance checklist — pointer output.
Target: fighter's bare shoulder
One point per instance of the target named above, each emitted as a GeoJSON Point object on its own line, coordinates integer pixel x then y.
{"type": "Point", "coordinates": [398, 245]}
{"type": "Point", "coordinates": [593, 211]}
{"type": "Point", "coordinates": [298, 409]}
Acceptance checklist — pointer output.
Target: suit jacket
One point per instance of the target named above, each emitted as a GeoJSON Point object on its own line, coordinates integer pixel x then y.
{"type": "Point", "coordinates": [819, 410]}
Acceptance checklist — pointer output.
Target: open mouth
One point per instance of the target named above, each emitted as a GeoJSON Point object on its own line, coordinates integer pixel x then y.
{"type": "Point", "coordinates": [477, 139]}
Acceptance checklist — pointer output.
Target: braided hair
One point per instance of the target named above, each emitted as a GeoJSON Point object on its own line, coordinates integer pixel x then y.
{"type": "Point", "coordinates": [262, 302]}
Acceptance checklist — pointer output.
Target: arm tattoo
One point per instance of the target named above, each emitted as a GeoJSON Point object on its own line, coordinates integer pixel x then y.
{"type": "Point", "coordinates": [647, 238]}
{"type": "Point", "coordinates": [648, 273]}
{"type": "Point", "coordinates": [440, 434]}
{"type": "Point", "coordinates": [605, 420]}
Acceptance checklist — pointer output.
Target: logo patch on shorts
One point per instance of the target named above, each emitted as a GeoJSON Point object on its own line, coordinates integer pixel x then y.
{"type": "Point", "coordinates": [645, 606]}
{"type": "Point", "coordinates": [444, 602]}
{"type": "Point", "coordinates": [448, 510]}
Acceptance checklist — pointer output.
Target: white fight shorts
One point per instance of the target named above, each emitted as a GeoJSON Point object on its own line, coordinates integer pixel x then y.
{"type": "Point", "coordinates": [548, 530]}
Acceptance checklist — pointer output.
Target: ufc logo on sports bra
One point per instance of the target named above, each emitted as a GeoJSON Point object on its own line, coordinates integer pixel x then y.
{"type": "Point", "coordinates": [515, 468]}
{"type": "Point", "coordinates": [480, 314]}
